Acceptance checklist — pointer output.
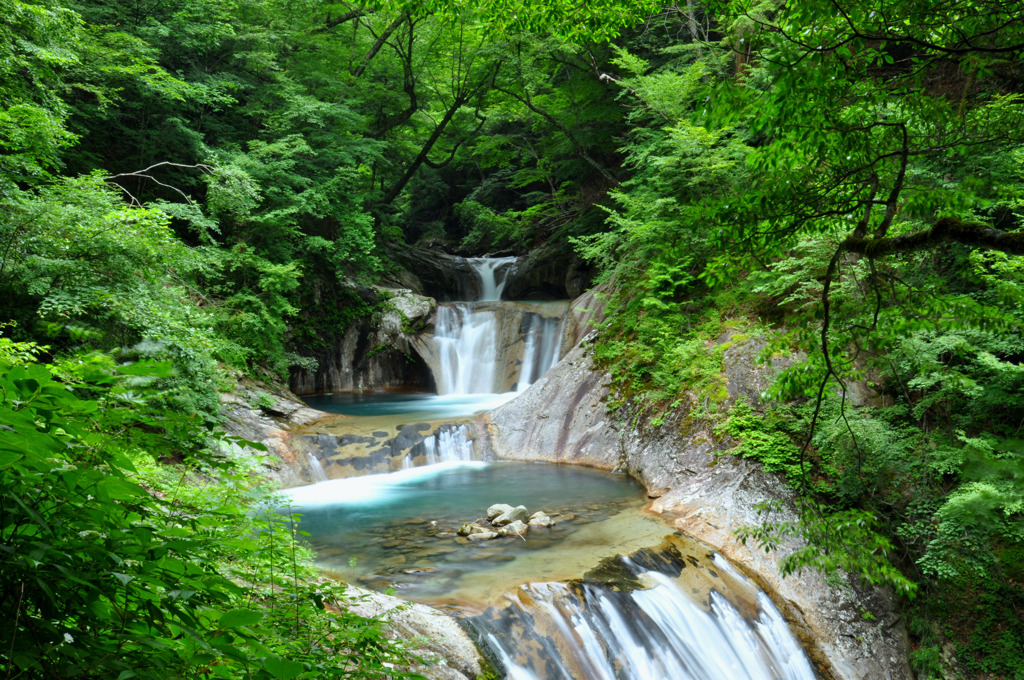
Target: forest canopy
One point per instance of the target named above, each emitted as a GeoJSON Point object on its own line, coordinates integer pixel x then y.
{"type": "Point", "coordinates": [202, 189]}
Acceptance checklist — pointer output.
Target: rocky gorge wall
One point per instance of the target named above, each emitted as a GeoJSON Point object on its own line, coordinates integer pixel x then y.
{"type": "Point", "coordinates": [851, 633]}
{"type": "Point", "coordinates": [375, 352]}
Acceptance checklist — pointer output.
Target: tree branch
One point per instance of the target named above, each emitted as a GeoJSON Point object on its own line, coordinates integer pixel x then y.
{"type": "Point", "coordinates": [946, 230]}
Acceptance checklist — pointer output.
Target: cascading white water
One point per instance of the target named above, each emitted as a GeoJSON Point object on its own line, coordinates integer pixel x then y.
{"type": "Point", "coordinates": [542, 347]}
{"type": "Point", "coordinates": [493, 274]}
{"type": "Point", "coordinates": [450, 444]}
{"type": "Point", "coordinates": [467, 343]}
{"type": "Point", "coordinates": [316, 469]}
{"type": "Point", "coordinates": [478, 341]}
{"type": "Point", "coordinates": [597, 633]}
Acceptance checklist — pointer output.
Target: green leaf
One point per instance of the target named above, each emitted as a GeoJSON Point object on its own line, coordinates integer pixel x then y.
{"type": "Point", "coordinates": [8, 458]}
{"type": "Point", "coordinates": [283, 669]}
{"type": "Point", "coordinates": [235, 618]}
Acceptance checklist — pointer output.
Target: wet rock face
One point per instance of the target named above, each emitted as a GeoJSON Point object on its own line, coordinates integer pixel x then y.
{"type": "Point", "coordinates": [268, 416]}
{"type": "Point", "coordinates": [550, 272]}
{"type": "Point", "coordinates": [563, 418]}
{"type": "Point", "coordinates": [374, 352]}
{"type": "Point", "coordinates": [434, 273]}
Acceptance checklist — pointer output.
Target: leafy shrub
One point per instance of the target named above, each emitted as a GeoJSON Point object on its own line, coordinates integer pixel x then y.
{"type": "Point", "coordinates": [116, 567]}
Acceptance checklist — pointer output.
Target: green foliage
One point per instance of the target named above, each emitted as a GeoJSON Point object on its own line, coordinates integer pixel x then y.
{"type": "Point", "coordinates": [661, 358]}
{"type": "Point", "coordinates": [37, 47]}
{"type": "Point", "coordinates": [764, 438]}
{"type": "Point", "coordinates": [487, 229]}
{"type": "Point", "coordinates": [831, 542]}
{"type": "Point", "coordinates": [116, 566]}
{"type": "Point", "coordinates": [76, 255]}
{"type": "Point", "coordinates": [18, 353]}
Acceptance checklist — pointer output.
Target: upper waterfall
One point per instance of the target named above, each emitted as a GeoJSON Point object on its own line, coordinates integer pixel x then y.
{"type": "Point", "coordinates": [493, 273]}
{"type": "Point", "coordinates": [488, 346]}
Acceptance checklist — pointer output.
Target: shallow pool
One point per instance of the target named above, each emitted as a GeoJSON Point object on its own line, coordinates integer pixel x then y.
{"type": "Point", "coordinates": [399, 530]}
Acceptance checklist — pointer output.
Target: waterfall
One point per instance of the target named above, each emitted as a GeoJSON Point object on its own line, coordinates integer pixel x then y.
{"type": "Point", "coordinates": [467, 343]}
{"type": "Point", "coordinates": [543, 343]}
{"type": "Point", "coordinates": [492, 347]}
{"type": "Point", "coordinates": [316, 469]}
{"type": "Point", "coordinates": [489, 270]}
{"type": "Point", "coordinates": [596, 632]}
{"type": "Point", "coordinates": [450, 444]}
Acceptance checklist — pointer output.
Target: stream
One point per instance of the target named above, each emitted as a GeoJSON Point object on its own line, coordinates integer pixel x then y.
{"type": "Point", "coordinates": [607, 592]}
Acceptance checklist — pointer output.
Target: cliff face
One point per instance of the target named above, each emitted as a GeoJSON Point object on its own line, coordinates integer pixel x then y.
{"type": "Point", "coordinates": [374, 352]}
{"type": "Point", "coordinates": [564, 418]}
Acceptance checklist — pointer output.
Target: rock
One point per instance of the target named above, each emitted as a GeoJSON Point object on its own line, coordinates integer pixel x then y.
{"type": "Point", "coordinates": [516, 528]}
{"type": "Point", "coordinates": [657, 493]}
{"type": "Point", "coordinates": [430, 632]}
{"type": "Point", "coordinates": [434, 273]}
{"type": "Point", "coordinates": [497, 509]}
{"type": "Point", "coordinates": [542, 521]}
{"type": "Point", "coordinates": [551, 272]}
{"type": "Point", "coordinates": [516, 514]}
{"type": "Point", "coordinates": [469, 528]}
{"type": "Point", "coordinates": [273, 426]}
{"type": "Point", "coordinates": [371, 352]}
{"type": "Point", "coordinates": [483, 535]}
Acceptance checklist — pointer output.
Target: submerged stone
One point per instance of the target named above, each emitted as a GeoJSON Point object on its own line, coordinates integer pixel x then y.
{"type": "Point", "coordinates": [516, 528]}
{"type": "Point", "coordinates": [469, 528]}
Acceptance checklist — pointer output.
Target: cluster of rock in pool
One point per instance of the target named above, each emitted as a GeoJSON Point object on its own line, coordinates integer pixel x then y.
{"type": "Point", "coordinates": [429, 555]}
{"type": "Point", "coordinates": [503, 520]}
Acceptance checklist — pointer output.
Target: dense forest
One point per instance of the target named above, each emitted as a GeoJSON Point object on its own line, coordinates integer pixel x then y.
{"type": "Point", "coordinates": [184, 183]}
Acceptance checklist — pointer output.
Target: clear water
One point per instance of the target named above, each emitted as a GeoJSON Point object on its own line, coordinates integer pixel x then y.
{"type": "Point", "coordinates": [399, 530]}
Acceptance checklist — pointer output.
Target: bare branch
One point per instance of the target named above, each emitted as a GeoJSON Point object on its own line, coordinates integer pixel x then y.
{"type": "Point", "coordinates": [144, 175]}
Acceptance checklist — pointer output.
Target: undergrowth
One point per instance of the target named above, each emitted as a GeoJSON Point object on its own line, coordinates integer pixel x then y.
{"type": "Point", "coordinates": [119, 563]}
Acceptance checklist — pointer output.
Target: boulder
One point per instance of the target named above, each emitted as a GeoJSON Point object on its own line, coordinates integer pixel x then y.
{"type": "Point", "coordinates": [516, 514]}
{"type": "Point", "coordinates": [542, 521]}
{"type": "Point", "coordinates": [498, 509]}
{"type": "Point", "coordinates": [516, 528]}
{"type": "Point", "coordinates": [446, 649]}
{"type": "Point", "coordinates": [483, 535]}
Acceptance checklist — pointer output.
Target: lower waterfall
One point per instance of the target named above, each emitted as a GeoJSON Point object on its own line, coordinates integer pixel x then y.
{"type": "Point", "coordinates": [450, 444]}
{"type": "Point", "coordinates": [542, 348]}
{"type": "Point", "coordinates": [557, 631]}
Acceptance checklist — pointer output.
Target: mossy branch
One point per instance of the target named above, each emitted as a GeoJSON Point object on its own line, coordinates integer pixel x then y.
{"type": "Point", "coordinates": [946, 230]}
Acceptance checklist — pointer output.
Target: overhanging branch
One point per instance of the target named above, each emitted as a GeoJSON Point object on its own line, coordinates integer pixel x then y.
{"type": "Point", "coordinates": [946, 230]}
